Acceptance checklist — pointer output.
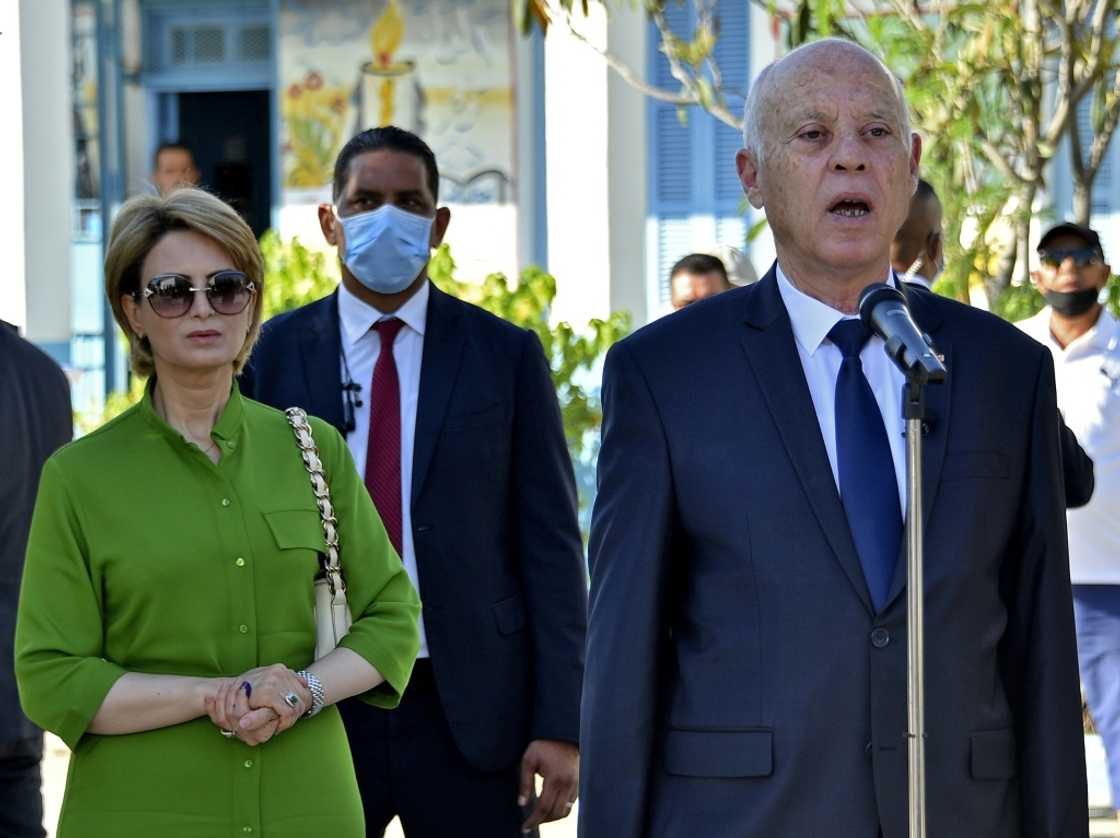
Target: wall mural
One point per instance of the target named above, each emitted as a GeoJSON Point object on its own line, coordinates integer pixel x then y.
{"type": "Point", "coordinates": [441, 68]}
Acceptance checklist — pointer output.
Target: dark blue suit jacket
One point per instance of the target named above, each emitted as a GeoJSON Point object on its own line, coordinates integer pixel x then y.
{"type": "Point", "coordinates": [498, 548]}
{"type": "Point", "coordinates": [35, 419]}
{"type": "Point", "coordinates": [739, 683]}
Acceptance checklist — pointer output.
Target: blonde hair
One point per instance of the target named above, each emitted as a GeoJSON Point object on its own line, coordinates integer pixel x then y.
{"type": "Point", "coordinates": [140, 225]}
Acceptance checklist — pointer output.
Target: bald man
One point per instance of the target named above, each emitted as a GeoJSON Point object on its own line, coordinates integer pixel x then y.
{"type": "Point", "coordinates": [746, 657]}
{"type": "Point", "coordinates": [916, 252]}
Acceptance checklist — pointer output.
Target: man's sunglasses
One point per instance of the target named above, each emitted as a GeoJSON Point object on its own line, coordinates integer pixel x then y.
{"type": "Point", "coordinates": [1081, 256]}
{"type": "Point", "coordinates": [172, 295]}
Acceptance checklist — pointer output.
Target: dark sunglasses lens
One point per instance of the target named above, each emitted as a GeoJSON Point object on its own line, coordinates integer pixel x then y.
{"type": "Point", "coordinates": [1082, 256]}
{"type": "Point", "coordinates": [171, 295]}
{"type": "Point", "coordinates": [229, 292]}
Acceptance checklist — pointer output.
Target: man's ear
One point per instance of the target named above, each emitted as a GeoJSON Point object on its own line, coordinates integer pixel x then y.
{"type": "Point", "coordinates": [750, 176]}
{"type": "Point", "coordinates": [328, 223]}
{"type": "Point", "coordinates": [439, 226]}
{"type": "Point", "coordinates": [934, 251]}
{"type": "Point", "coordinates": [915, 156]}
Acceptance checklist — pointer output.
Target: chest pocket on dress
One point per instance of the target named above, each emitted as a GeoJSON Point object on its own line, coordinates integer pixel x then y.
{"type": "Point", "coordinates": [298, 534]}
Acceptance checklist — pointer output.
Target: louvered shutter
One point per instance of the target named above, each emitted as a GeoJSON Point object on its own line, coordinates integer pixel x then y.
{"type": "Point", "coordinates": [695, 195]}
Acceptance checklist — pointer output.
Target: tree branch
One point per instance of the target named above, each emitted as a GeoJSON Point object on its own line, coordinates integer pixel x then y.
{"type": "Point", "coordinates": [1002, 166]}
{"type": "Point", "coordinates": [1103, 137]}
{"type": "Point", "coordinates": [628, 75]}
{"type": "Point", "coordinates": [688, 80]}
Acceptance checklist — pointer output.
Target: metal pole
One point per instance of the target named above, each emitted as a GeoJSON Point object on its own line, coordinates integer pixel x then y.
{"type": "Point", "coordinates": [915, 640]}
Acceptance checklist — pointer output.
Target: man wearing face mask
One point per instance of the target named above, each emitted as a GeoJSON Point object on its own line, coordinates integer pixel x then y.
{"type": "Point", "coordinates": [452, 416]}
{"type": "Point", "coordinates": [1084, 338]}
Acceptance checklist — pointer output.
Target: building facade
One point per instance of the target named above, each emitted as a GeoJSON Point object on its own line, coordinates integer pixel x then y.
{"type": "Point", "coordinates": [547, 157]}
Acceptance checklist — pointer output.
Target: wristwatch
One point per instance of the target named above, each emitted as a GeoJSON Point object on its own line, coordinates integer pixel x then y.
{"type": "Point", "coordinates": [315, 687]}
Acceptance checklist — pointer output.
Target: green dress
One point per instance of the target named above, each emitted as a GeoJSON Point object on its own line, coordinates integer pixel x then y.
{"type": "Point", "coordinates": [145, 556]}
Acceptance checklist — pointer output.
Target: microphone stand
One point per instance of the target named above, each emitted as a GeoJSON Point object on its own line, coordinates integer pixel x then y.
{"type": "Point", "coordinates": [885, 311]}
{"type": "Point", "coordinates": [914, 412]}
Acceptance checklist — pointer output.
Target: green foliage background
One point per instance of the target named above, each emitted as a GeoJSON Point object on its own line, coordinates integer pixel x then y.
{"type": "Point", "coordinates": [296, 275]}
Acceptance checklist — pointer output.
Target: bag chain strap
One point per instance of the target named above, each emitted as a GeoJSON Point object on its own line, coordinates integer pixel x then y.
{"type": "Point", "coordinates": [297, 418]}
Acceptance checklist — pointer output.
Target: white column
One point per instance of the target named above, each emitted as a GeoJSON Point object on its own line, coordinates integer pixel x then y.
{"type": "Point", "coordinates": [48, 167]}
{"type": "Point", "coordinates": [766, 47]}
{"type": "Point", "coordinates": [628, 156]}
{"type": "Point", "coordinates": [576, 120]}
{"type": "Point", "coordinates": [13, 297]}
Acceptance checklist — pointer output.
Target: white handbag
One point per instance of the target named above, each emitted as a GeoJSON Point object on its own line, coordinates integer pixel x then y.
{"type": "Point", "coordinates": [332, 611]}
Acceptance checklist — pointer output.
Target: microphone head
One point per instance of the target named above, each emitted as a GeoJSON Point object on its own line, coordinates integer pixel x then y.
{"type": "Point", "coordinates": [874, 294]}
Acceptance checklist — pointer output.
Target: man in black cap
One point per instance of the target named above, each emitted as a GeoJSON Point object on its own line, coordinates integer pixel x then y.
{"type": "Point", "coordinates": [1084, 338]}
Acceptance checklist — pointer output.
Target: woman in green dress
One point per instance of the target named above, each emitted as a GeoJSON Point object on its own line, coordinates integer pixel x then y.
{"type": "Point", "coordinates": [166, 624]}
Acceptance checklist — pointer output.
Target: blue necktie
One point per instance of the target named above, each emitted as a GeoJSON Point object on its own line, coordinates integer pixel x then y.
{"type": "Point", "coordinates": [868, 487]}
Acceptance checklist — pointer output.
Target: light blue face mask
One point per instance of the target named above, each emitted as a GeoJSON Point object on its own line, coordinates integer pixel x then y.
{"type": "Point", "coordinates": [387, 248]}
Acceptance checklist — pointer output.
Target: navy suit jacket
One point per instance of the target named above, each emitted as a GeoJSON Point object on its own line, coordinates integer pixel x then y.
{"type": "Point", "coordinates": [498, 548]}
{"type": "Point", "coordinates": [35, 419]}
{"type": "Point", "coordinates": [739, 683]}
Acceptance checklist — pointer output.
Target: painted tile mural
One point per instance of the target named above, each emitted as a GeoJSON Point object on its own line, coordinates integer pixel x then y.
{"type": "Point", "coordinates": [441, 68]}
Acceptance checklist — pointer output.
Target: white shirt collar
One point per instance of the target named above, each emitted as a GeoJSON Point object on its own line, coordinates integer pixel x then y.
{"type": "Point", "coordinates": [357, 317]}
{"type": "Point", "coordinates": [1103, 333]}
{"type": "Point", "coordinates": [811, 319]}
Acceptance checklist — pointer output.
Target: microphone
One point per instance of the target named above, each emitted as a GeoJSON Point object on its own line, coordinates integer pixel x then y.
{"type": "Point", "coordinates": [884, 311]}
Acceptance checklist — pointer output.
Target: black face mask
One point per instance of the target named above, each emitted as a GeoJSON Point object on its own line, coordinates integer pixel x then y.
{"type": "Point", "coordinates": [1071, 303]}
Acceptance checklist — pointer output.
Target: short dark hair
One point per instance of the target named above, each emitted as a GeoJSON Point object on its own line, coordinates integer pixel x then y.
{"type": "Point", "coordinates": [924, 191]}
{"type": "Point", "coordinates": [171, 145]}
{"type": "Point", "coordinates": [700, 263]}
{"type": "Point", "coordinates": [924, 220]}
{"type": "Point", "coordinates": [390, 137]}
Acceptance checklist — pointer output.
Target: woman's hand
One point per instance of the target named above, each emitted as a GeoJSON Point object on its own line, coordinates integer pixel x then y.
{"type": "Point", "coordinates": [228, 707]}
{"type": "Point", "coordinates": [274, 693]}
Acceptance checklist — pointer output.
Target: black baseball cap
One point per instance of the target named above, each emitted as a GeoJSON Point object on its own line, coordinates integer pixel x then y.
{"type": "Point", "coordinates": [1067, 228]}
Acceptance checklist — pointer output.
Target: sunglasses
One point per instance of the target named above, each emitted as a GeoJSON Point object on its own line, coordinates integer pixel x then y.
{"type": "Point", "coordinates": [172, 295]}
{"type": "Point", "coordinates": [1081, 256]}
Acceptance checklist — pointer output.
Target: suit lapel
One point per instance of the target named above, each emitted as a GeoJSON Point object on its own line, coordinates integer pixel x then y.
{"type": "Point", "coordinates": [320, 348]}
{"type": "Point", "coordinates": [938, 400]}
{"type": "Point", "coordinates": [444, 339]}
{"type": "Point", "coordinates": [772, 354]}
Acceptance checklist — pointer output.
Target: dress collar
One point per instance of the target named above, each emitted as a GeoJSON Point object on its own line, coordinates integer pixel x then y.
{"type": "Point", "coordinates": [227, 429]}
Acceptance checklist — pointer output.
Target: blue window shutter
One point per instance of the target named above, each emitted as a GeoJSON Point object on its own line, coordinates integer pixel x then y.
{"type": "Point", "coordinates": [673, 148]}
{"type": "Point", "coordinates": [1102, 185]}
{"type": "Point", "coordinates": [731, 54]}
{"type": "Point", "coordinates": [695, 197]}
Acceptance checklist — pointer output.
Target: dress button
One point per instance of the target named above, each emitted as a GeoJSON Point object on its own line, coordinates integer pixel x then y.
{"type": "Point", "coordinates": [246, 829]}
{"type": "Point", "coordinates": [225, 501]}
{"type": "Point", "coordinates": [240, 562]}
{"type": "Point", "coordinates": [248, 763]}
{"type": "Point", "coordinates": [880, 637]}
{"type": "Point", "coordinates": [244, 629]}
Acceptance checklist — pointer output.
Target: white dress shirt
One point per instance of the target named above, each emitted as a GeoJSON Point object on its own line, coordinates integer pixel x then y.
{"type": "Point", "coordinates": [812, 320]}
{"type": "Point", "coordinates": [361, 347]}
{"type": "Point", "coordinates": [1087, 373]}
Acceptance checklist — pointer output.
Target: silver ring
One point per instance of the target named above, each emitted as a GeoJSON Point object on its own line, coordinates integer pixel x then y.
{"type": "Point", "coordinates": [292, 700]}
{"type": "Point", "coordinates": [228, 734]}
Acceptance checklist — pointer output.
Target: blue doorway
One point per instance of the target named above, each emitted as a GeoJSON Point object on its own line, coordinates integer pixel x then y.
{"type": "Point", "coordinates": [229, 134]}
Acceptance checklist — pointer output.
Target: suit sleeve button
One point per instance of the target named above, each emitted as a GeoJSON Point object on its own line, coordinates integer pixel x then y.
{"type": "Point", "coordinates": [880, 638]}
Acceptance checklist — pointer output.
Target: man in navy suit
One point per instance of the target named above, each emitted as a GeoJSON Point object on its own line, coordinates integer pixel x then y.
{"type": "Point", "coordinates": [452, 417]}
{"type": "Point", "coordinates": [36, 419]}
{"type": "Point", "coordinates": [746, 659]}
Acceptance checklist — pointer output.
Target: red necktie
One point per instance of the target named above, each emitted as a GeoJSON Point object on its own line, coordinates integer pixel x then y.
{"type": "Point", "coordinates": [383, 453]}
